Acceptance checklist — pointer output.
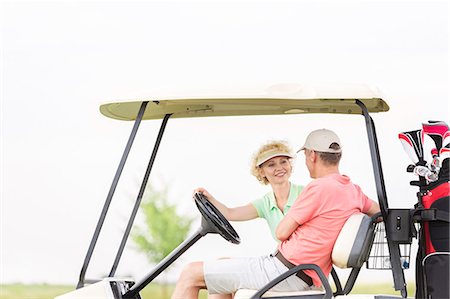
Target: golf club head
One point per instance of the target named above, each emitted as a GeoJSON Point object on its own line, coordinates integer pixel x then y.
{"type": "Point", "coordinates": [437, 130]}
{"type": "Point", "coordinates": [425, 172]}
{"type": "Point", "coordinates": [446, 141]}
{"type": "Point", "coordinates": [412, 142]}
{"type": "Point", "coordinates": [434, 152]}
{"type": "Point", "coordinates": [444, 153]}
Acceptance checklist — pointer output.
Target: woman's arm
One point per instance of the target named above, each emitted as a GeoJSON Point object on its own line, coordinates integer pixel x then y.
{"type": "Point", "coordinates": [241, 213]}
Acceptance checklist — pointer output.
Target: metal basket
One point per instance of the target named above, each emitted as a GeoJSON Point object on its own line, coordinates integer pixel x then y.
{"type": "Point", "coordinates": [379, 257]}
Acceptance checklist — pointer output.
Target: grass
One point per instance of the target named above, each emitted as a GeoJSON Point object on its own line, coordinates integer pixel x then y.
{"type": "Point", "coordinates": [46, 291]}
{"type": "Point", "coordinates": [382, 288]}
{"type": "Point", "coordinates": [153, 291]}
{"type": "Point", "coordinates": [35, 291]}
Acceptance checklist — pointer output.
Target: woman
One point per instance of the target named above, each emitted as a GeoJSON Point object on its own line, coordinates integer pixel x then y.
{"type": "Point", "coordinates": [271, 165]}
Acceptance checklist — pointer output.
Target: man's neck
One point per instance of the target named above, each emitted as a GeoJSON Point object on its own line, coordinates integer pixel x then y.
{"type": "Point", "coordinates": [324, 171]}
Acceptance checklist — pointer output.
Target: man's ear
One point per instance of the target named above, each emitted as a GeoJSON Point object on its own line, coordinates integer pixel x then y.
{"type": "Point", "coordinates": [312, 156]}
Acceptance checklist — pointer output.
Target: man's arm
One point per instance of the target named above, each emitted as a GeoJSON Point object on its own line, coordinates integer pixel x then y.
{"type": "Point", "coordinates": [374, 208]}
{"type": "Point", "coordinates": [285, 228]}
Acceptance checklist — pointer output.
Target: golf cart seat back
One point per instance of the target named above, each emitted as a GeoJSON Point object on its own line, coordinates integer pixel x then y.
{"type": "Point", "coordinates": [352, 246]}
{"type": "Point", "coordinates": [351, 250]}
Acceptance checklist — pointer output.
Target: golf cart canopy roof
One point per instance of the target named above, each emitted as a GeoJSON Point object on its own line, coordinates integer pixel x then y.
{"type": "Point", "coordinates": [279, 99]}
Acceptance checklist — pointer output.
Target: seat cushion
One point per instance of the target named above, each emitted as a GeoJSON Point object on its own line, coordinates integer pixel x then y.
{"type": "Point", "coordinates": [351, 242]}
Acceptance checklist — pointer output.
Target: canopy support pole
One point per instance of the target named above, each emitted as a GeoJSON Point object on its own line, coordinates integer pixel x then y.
{"type": "Point", "coordinates": [394, 250]}
{"type": "Point", "coordinates": [139, 197]}
{"type": "Point", "coordinates": [112, 189]}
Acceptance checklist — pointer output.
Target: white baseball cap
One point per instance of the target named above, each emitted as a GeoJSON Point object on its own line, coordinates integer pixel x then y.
{"type": "Point", "coordinates": [321, 141]}
{"type": "Point", "coordinates": [272, 153]}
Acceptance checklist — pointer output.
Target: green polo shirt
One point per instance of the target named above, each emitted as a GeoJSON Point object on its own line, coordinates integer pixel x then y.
{"type": "Point", "coordinates": [267, 208]}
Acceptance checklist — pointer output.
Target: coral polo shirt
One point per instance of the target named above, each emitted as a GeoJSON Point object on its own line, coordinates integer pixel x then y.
{"type": "Point", "coordinates": [321, 211]}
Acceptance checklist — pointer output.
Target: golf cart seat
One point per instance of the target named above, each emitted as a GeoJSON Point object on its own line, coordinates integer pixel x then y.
{"type": "Point", "coordinates": [351, 250]}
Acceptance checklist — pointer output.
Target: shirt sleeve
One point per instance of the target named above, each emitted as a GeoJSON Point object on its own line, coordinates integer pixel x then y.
{"type": "Point", "coordinates": [366, 201]}
{"type": "Point", "coordinates": [298, 190]}
{"type": "Point", "coordinates": [259, 206]}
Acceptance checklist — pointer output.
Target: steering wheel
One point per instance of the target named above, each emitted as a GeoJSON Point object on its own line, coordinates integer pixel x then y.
{"type": "Point", "coordinates": [215, 220]}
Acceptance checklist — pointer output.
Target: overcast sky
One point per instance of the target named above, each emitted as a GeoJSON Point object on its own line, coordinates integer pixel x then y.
{"type": "Point", "coordinates": [61, 59]}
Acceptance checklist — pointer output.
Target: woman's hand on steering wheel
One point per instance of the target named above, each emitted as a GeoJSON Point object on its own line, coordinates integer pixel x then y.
{"type": "Point", "coordinates": [204, 192]}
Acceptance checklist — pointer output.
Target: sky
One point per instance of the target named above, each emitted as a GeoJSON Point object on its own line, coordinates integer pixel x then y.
{"type": "Point", "coordinates": [60, 60]}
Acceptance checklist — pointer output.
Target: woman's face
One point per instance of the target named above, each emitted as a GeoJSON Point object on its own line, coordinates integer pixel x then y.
{"type": "Point", "coordinates": [277, 170]}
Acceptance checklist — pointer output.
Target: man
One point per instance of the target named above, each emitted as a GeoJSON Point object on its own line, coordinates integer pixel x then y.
{"type": "Point", "coordinates": [308, 231]}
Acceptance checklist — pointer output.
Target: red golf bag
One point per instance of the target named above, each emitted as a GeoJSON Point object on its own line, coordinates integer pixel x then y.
{"type": "Point", "coordinates": [432, 209]}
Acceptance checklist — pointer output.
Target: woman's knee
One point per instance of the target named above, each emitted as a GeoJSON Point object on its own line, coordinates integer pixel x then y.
{"type": "Point", "coordinates": [193, 272]}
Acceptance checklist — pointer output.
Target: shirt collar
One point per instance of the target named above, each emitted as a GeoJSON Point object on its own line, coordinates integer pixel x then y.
{"type": "Point", "coordinates": [273, 202]}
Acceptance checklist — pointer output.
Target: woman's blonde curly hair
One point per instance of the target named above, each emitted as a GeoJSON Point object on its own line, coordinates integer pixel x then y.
{"type": "Point", "coordinates": [279, 145]}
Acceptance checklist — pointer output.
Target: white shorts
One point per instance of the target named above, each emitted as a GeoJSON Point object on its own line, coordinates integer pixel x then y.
{"type": "Point", "coordinates": [226, 276]}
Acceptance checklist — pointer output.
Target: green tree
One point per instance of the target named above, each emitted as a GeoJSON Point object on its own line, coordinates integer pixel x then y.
{"type": "Point", "coordinates": [164, 229]}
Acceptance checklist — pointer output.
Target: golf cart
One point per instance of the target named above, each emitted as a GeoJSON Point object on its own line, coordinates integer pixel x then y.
{"type": "Point", "coordinates": [357, 237]}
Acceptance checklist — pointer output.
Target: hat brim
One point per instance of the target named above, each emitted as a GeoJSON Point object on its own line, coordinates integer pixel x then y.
{"type": "Point", "coordinates": [273, 156]}
{"type": "Point", "coordinates": [329, 151]}
{"type": "Point", "coordinates": [301, 149]}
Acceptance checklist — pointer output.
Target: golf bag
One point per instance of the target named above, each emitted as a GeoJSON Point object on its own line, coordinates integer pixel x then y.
{"type": "Point", "coordinates": [432, 209]}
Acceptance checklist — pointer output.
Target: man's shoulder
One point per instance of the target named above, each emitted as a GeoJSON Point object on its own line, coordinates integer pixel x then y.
{"type": "Point", "coordinates": [326, 182]}
{"type": "Point", "coordinates": [333, 178]}
{"type": "Point", "coordinates": [319, 182]}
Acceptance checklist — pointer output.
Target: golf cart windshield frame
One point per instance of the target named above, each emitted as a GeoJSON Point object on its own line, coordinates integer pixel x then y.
{"type": "Point", "coordinates": [165, 109]}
